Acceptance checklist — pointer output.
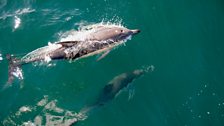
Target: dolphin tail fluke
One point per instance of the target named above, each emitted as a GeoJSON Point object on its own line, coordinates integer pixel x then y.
{"type": "Point", "coordinates": [14, 70]}
{"type": "Point", "coordinates": [82, 115]}
{"type": "Point", "coordinates": [86, 110]}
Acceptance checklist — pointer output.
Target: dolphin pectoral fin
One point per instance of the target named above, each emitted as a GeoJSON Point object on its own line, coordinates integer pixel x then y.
{"type": "Point", "coordinates": [131, 94]}
{"type": "Point", "coordinates": [116, 95]}
{"type": "Point", "coordinates": [14, 70]}
{"type": "Point", "coordinates": [103, 55]}
{"type": "Point", "coordinates": [131, 91]}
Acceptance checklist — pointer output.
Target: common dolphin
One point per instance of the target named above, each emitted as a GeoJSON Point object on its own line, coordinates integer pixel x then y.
{"type": "Point", "coordinates": [112, 89]}
{"type": "Point", "coordinates": [94, 39]}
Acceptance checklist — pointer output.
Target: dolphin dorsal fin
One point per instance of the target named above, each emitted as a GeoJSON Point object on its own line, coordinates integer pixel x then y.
{"type": "Point", "coordinates": [68, 43]}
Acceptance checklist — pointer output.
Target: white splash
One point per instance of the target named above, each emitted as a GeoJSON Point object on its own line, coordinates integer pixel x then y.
{"type": "Point", "coordinates": [68, 18]}
{"type": "Point", "coordinates": [148, 68]}
{"type": "Point", "coordinates": [40, 53]}
{"type": "Point", "coordinates": [43, 101]}
{"type": "Point", "coordinates": [47, 59]}
{"type": "Point", "coordinates": [25, 109]}
{"type": "Point", "coordinates": [18, 73]}
{"type": "Point", "coordinates": [17, 22]}
{"type": "Point", "coordinates": [1, 58]}
{"type": "Point", "coordinates": [53, 107]}
{"type": "Point", "coordinates": [46, 113]}
{"type": "Point", "coordinates": [28, 123]}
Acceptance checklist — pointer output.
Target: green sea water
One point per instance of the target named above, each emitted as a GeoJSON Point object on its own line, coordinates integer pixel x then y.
{"type": "Point", "coordinates": [182, 39]}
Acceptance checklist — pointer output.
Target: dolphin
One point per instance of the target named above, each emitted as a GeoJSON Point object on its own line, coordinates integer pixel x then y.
{"type": "Point", "coordinates": [114, 87]}
{"type": "Point", "coordinates": [95, 39]}
{"type": "Point", "coordinates": [111, 90]}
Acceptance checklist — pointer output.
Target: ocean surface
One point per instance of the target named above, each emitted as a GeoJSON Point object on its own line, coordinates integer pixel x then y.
{"type": "Point", "coordinates": [182, 39]}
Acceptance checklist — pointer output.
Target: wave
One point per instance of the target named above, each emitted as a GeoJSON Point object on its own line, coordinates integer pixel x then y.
{"type": "Point", "coordinates": [57, 16]}
{"type": "Point", "coordinates": [18, 12]}
{"type": "Point", "coordinates": [24, 11]}
{"type": "Point", "coordinates": [3, 3]}
{"type": "Point", "coordinates": [16, 15]}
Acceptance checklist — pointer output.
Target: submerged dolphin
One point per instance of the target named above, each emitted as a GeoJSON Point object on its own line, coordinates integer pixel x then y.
{"type": "Point", "coordinates": [113, 88]}
{"type": "Point", "coordinates": [94, 39]}
{"type": "Point", "coordinates": [116, 85]}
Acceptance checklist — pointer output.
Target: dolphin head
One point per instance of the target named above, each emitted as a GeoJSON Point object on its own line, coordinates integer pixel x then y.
{"type": "Point", "coordinates": [113, 33]}
{"type": "Point", "coordinates": [138, 72]}
{"type": "Point", "coordinates": [123, 33]}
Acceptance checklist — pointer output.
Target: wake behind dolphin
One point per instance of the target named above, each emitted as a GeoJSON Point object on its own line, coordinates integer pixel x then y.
{"type": "Point", "coordinates": [95, 39]}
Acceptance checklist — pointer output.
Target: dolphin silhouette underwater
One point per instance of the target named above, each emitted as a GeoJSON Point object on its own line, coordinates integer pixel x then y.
{"type": "Point", "coordinates": [112, 89]}
{"type": "Point", "coordinates": [95, 39]}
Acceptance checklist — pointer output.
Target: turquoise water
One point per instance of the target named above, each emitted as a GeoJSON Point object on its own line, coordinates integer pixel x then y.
{"type": "Point", "coordinates": [182, 39]}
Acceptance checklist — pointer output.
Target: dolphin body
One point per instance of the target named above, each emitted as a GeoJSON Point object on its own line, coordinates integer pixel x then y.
{"type": "Point", "coordinates": [116, 85]}
{"type": "Point", "coordinates": [113, 88]}
{"type": "Point", "coordinates": [94, 39]}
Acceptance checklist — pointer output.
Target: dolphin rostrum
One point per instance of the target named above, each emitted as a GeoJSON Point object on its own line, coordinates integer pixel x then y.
{"type": "Point", "coordinates": [90, 40]}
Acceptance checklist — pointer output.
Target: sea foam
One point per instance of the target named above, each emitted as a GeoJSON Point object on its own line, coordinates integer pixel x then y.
{"type": "Point", "coordinates": [1, 58]}
{"type": "Point", "coordinates": [17, 22]}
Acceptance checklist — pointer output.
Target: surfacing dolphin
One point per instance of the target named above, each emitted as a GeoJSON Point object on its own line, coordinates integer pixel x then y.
{"type": "Point", "coordinates": [95, 39]}
{"type": "Point", "coordinates": [113, 88]}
